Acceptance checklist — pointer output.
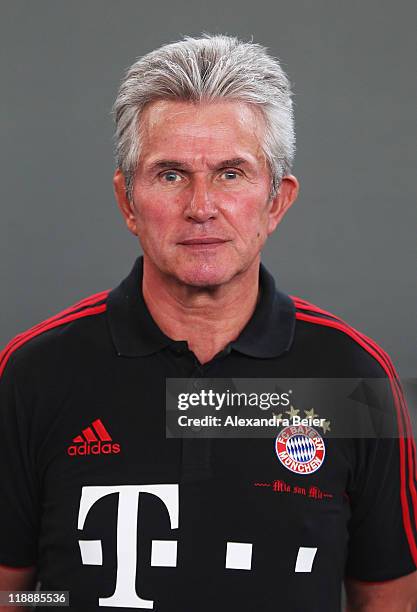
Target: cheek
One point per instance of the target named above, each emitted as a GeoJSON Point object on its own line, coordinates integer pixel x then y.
{"type": "Point", "coordinates": [154, 217]}
{"type": "Point", "coordinates": [249, 217]}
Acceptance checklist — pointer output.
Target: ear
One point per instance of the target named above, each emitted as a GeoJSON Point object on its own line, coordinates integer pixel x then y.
{"type": "Point", "coordinates": [286, 196]}
{"type": "Point", "coordinates": [126, 207]}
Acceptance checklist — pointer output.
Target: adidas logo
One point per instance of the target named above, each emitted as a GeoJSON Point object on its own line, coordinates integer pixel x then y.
{"type": "Point", "coordinates": [94, 440]}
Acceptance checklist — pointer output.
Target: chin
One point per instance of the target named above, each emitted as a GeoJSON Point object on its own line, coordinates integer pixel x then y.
{"type": "Point", "coordinates": [204, 276]}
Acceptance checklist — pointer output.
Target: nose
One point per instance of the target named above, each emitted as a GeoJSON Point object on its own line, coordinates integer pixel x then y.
{"type": "Point", "coordinates": [201, 206]}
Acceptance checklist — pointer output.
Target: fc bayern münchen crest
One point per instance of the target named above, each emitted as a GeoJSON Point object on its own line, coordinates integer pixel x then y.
{"type": "Point", "coordinates": [300, 449]}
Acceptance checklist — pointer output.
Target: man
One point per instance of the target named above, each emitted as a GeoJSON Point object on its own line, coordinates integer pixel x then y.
{"type": "Point", "coordinates": [94, 499]}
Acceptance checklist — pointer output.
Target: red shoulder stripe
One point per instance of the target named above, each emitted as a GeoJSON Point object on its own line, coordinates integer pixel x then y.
{"type": "Point", "coordinates": [92, 299]}
{"type": "Point", "coordinates": [87, 307]}
{"type": "Point", "coordinates": [402, 413]}
{"type": "Point", "coordinates": [311, 307]}
{"type": "Point", "coordinates": [82, 303]}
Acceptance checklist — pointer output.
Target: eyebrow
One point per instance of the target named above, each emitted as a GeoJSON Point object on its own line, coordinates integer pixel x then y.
{"type": "Point", "coordinates": [160, 164]}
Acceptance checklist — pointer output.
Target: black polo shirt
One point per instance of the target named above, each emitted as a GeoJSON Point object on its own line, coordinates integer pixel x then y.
{"type": "Point", "coordinates": [109, 509]}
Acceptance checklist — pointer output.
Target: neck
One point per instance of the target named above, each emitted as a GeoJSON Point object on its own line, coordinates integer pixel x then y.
{"type": "Point", "coordinates": [208, 318]}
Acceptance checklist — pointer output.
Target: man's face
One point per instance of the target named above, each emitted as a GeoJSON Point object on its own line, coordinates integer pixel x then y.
{"type": "Point", "coordinates": [200, 197]}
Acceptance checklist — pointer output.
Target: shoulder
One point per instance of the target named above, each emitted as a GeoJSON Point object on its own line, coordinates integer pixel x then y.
{"type": "Point", "coordinates": [48, 338]}
{"type": "Point", "coordinates": [333, 342]}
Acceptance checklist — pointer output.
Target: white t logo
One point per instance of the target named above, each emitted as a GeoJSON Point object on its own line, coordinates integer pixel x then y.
{"type": "Point", "coordinates": [125, 595]}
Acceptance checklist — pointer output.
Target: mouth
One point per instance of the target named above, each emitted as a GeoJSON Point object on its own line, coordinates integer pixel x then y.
{"type": "Point", "coordinates": [203, 242]}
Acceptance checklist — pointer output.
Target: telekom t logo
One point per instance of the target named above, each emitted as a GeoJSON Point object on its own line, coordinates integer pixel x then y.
{"type": "Point", "coordinates": [164, 552]}
{"type": "Point", "coordinates": [125, 592]}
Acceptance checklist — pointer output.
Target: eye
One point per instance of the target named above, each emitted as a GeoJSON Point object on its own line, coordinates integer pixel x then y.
{"type": "Point", "coordinates": [230, 175]}
{"type": "Point", "coordinates": [171, 176]}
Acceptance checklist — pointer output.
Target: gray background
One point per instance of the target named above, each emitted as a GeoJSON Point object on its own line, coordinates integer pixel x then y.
{"type": "Point", "coordinates": [349, 242]}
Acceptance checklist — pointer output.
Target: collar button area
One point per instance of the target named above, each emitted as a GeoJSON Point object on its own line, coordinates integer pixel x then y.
{"type": "Point", "coordinates": [196, 386]}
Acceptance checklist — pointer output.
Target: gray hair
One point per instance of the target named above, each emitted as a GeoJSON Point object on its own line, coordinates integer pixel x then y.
{"type": "Point", "coordinates": [206, 69]}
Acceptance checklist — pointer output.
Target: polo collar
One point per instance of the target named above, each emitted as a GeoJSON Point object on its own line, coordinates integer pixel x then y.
{"type": "Point", "coordinates": [268, 333]}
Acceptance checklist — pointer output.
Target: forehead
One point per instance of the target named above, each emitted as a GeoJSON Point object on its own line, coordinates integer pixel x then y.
{"type": "Point", "coordinates": [204, 129]}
